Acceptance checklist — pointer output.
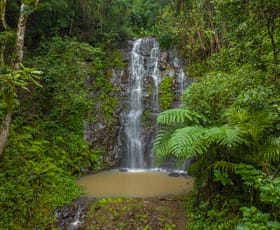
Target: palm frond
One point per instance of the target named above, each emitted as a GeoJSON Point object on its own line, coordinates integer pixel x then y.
{"type": "Point", "coordinates": [224, 135]}
{"type": "Point", "coordinates": [175, 116]}
{"type": "Point", "coordinates": [188, 141]}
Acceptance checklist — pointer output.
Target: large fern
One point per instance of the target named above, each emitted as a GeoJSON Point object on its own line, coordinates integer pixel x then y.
{"type": "Point", "coordinates": [224, 135]}
{"type": "Point", "coordinates": [188, 141]}
{"type": "Point", "coordinates": [195, 140]}
{"type": "Point", "coordinates": [251, 124]}
{"type": "Point", "coordinates": [271, 151]}
{"type": "Point", "coordinates": [161, 147]}
{"type": "Point", "coordinates": [224, 166]}
{"type": "Point", "coordinates": [179, 115]}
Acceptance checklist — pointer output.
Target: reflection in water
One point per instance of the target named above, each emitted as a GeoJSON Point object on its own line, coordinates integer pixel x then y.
{"type": "Point", "coordinates": [114, 183]}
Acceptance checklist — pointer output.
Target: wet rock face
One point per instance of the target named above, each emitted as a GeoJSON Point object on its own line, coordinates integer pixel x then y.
{"type": "Point", "coordinates": [111, 135]}
{"type": "Point", "coordinates": [72, 216]}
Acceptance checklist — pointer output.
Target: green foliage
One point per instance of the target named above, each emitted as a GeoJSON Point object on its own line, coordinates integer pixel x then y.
{"type": "Point", "coordinates": [143, 16]}
{"type": "Point", "coordinates": [254, 219]}
{"type": "Point", "coordinates": [222, 217]}
{"type": "Point", "coordinates": [187, 142]}
{"type": "Point", "coordinates": [225, 136]}
{"type": "Point", "coordinates": [222, 177]}
{"type": "Point", "coordinates": [231, 119]}
{"type": "Point", "coordinates": [194, 140]}
{"type": "Point", "coordinates": [7, 42]}
{"type": "Point", "coordinates": [249, 114]}
{"type": "Point", "coordinates": [217, 91]}
{"type": "Point", "coordinates": [71, 71]}
{"type": "Point", "coordinates": [177, 116]}
{"type": "Point", "coordinates": [32, 184]}
{"type": "Point", "coordinates": [13, 80]}
{"type": "Point", "coordinates": [71, 153]}
{"type": "Point", "coordinates": [166, 96]}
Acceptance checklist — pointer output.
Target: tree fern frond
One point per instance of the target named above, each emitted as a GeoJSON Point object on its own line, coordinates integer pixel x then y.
{"type": "Point", "coordinates": [160, 146]}
{"type": "Point", "coordinates": [271, 152]}
{"type": "Point", "coordinates": [224, 135]}
{"type": "Point", "coordinates": [188, 141]}
{"type": "Point", "coordinates": [254, 124]}
{"type": "Point", "coordinates": [224, 166]}
{"type": "Point", "coordinates": [237, 116]}
{"type": "Point", "coordinates": [173, 116]}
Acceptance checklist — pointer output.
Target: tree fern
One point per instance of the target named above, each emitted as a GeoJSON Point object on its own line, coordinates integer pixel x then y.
{"type": "Point", "coordinates": [253, 124]}
{"type": "Point", "coordinates": [271, 152]}
{"type": "Point", "coordinates": [180, 115]}
{"type": "Point", "coordinates": [237, 116]}
{"type": "Point", "coordinates": [224, 135]}
{"type": "Point", "coordinates": [224, 166]}
{"type": "Point", "coordinates": [161, 146]}
{"type": "Point", "coordinates": [188, 141]}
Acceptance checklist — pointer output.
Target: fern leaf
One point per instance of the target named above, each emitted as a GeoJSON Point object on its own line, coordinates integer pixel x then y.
{"type": "Point", "coordinates": [271, 152]}
{"type": "Point", "coordinates": [224, 135]}
{"type": "Point", "coordinates": [188, 141]}
{"type": "Point", "coordinates": [237, 116]}
{"type": "Point", "coordinates": [173, 116]}
{"type": "Point", "coordinates": [160, 146]}
{"type": "Point", "coordinates": [224, 166]}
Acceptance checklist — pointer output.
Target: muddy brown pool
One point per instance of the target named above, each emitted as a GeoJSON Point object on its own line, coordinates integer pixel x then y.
{"type": "Point", "coordinates": [115, 183]}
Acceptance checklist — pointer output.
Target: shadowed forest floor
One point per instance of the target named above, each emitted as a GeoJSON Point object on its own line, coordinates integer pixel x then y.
{"type": "Point", "coordinates": [166, 213]}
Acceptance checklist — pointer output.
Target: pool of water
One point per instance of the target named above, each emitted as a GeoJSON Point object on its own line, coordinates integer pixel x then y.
{"type": "Point", "coordinates": [135, 183]}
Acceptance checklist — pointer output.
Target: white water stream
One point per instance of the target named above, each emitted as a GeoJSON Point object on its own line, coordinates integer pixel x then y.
{"type": "Point", "coordinates": [144, 64]}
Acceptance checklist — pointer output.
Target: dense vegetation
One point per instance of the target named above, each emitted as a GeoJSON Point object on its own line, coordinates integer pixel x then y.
{"type": "Point", "coordinates": [230, 121]}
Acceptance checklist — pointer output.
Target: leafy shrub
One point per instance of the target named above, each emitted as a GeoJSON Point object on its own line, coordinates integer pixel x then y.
{"type": "Point", "coordinates": [217, 91]}
{"type": "Point", "coordinates": [32, 185]}
{"type": "Point", "coordinates": [254, 219]}
{"type": "Point", "coordinates": [220, 215]}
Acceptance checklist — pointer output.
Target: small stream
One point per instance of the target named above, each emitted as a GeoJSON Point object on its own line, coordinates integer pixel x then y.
{"type": "Point", "coordinates": [135, 183]}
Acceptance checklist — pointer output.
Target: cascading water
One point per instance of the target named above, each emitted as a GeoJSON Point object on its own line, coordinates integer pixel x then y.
{"type": "Point", "coordinates": [137, 176]}
{"type": "Point", "coordinates": [144, 65]}
{"type": "Point", "coordinates": [182, 85]}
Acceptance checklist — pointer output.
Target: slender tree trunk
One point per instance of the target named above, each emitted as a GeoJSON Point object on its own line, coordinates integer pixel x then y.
{"type": "Point", "coordinates": [20, 34]}
{"type": "Point", "coordinates": [5, 131]}
{"type": "Point", "coordinates": [216, 43]}
{"type": "Point", "coordinates": [23, 15]}
{"type": "Point", "coordinates": [3, 14]}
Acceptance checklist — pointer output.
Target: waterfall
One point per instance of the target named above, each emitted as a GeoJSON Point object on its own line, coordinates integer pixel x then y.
{"type": "Point", "coordinates": [144, 66]}
{"type": "Point", "coordinates": [181, 85]}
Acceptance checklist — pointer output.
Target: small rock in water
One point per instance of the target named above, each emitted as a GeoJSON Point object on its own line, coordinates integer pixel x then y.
{"type": "Point", "coordinates": [174, 174]}
{"type": "Point", "coordinates": [123, 170]}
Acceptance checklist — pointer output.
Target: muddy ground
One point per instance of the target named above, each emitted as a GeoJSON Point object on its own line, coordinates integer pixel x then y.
{"type": "Point", "coordinates": [166, 213]}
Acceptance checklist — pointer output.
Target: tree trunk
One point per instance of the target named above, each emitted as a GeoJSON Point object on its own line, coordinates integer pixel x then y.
{"type": "Point", "coordinates": [20, 34]}
{"type": "Point", "coordinates": [23, 15]}
{"type": "Point", "coordinates": [3, 14]}
{"type": "Point", "coordinates": [5, 131]}
{"type": "Point", "coordinates": [216, 45]}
